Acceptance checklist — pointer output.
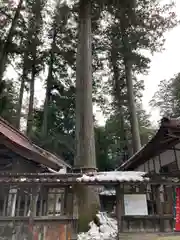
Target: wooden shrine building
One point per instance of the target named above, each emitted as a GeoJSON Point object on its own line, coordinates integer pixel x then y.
{"type": "Point", "coordinates": [19, 155]}
{"type": "Point", "coordinates": [161, 153]}
{"type": "Point", "coordinates": [160, 157]}
{"type": "Point", "coordinates": [37, 204]}
{"type": "Point", "coordinates": [132, 214]}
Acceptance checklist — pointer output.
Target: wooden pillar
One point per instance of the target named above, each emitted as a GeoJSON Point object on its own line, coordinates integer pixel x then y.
{"type": "Point", "coordinates": [159, 208]}
{"type": "Point", "coordinates": [65, 199]}
{"type": "Point", "coordinates": [11, 204]}
{"type": "Point", "coordinates": [68, 209]}
{"type": "Point", "coordinates": [71, 210]}
{"type": "Point", "coordinates": [119, 209]}
{"type": "Point", "coordinates": [169, 199]}
{"type": "Point", "coordinates": [32, 213]}
{"type": "Point", "coordinates": [176, 159]}
{"type": "Point", "coordinates": [12, 201]}
{"type": "Point", "coordinates": [75, 215]}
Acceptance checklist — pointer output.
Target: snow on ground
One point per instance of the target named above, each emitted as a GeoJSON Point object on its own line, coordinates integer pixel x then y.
{"type": "Point", "coordinates": [106, 231]}
{"type": "Point", "coordinates": [114, 176]}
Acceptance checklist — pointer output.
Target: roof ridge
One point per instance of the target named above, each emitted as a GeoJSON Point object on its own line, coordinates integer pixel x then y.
{"type": "Point", "coordinates": [4, 122]}
{"type": "Point", "coordinates": [23, 140]}
{"type": "Point", "coordinates": [45, 152]}
{"type": "Point", "coordinates": [166, 123]}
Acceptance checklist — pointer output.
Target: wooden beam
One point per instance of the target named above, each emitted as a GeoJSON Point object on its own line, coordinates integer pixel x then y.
{"type": "Point", "coordinates": [174, 148]}
{"type": "Point", "coordinates": [55, 184]}
{"type": "Point", "coordinates": [75, 210]}
{"type": "Point", "coordinates": [119, 209]}
{"type": "Point", "coordinates": [148, 163]}
{"type": "Point", "coordinates": [43, 219]}
{"type": "Point", "coordinates": [162, 176]}
{"type": "Point", "coordinates": [159, 208]}
{"type": "Point", "coordinates": [159, 158]}
{"type": "Point", "coordinates": [149, 217]}
{"type": "Point", "coordinates": [176, 158]}
{"type": "Point", "coordinates": [154, 165]}
{"type": "Point", "coordinates": [4, 150]}
{"type": "Point", "coordinates": [32, 175]}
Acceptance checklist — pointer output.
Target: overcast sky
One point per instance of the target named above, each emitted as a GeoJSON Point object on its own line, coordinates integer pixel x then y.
{"type": "Point", "coordinates": [163, 66]}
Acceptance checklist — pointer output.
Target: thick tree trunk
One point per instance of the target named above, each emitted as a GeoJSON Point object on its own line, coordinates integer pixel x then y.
{"type": "Point", "coordinates": [85, 143]}
{"type": "Point", "coordinates": [19, 106]}
{"type": "Point", "coordinates": [31, 104]}
{"type": "Point", "coordinates": [4, 52]}
{"type": "Point", "coordinates": [136, 142]}
{"type": "Point", "coordinates": [117, 86]}
{"type": "Point", "coordinates": [35, 26]}
{"type": "Point", "coordinates": [84, 110]}
{"type": "Point", "coordinates": [21, 91]}
{"type": "Point", "coordinates": [44, 129]}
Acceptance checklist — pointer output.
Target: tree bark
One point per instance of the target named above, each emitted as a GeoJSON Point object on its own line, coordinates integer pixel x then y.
{"type": "Point", "coordinates": [31, 104]}
{"type": "Point", "coordinates": [84, 109]}
{"type": "Point", "coordinates": [19, 106]}
{"type": "Point", "coordinates": [21, 91]}
{"type": "Point", "coordinates": [48, 86]}
{"type": "Point", "coordinates": [117, 86]}
{"type": "Point", "coordinates": [59, 15]}
{"type": "Point", "coordinates": [44, 129]}
{"type": "Point", "coordinates": [88, 199]}
{"type": "Point", "coordinates": [35, 26]}
{"type": "Point", "coordinates": [136, 142]}
{"type": "Point", "coordinates": [4, 52]}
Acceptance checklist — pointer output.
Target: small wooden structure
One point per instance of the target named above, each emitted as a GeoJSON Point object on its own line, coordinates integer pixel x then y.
{"type": "Point", "coordinates": [38, 214]}
{"type": "Point", "coordinates": [19, 155]}
{"type": "Point", "coordinates": [161, 153]}
{"type": "Point", "coordinates": [37, 206]}
{"type": "Point", "coordinates": [154, 190]}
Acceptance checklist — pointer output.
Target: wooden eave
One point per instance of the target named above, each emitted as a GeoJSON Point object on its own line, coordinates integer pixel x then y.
{"type": "Point", "coordinates": [20, 144]}
{"type": "Point", "coordinates": [166, 137]}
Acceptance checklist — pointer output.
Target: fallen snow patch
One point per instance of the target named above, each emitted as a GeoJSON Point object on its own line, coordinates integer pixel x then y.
{"type": "Point", "coordinates": [114, 176]}
{"type": "Point", "coordinates": [110, 192]}
{"type": "Point", "coordinates": [107, 229]}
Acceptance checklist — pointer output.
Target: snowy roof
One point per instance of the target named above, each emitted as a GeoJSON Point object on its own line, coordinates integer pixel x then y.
{"type": "Point", "coordinates": [99, 178]}
{"type": "Point", "coordinates": [115, 176]}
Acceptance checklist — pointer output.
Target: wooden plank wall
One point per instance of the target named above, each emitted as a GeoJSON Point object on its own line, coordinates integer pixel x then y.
{"type": "Point", "coordinates": [160, 205]}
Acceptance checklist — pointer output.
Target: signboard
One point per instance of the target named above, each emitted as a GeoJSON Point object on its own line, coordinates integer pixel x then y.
{"type": "Point", "coordinates": [177, 210]}
{"type": "Point", "coordinates": [135, 204]}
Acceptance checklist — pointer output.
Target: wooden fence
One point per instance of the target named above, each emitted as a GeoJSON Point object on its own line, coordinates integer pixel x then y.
{"type": "Point", "coordinates": [43, 205]}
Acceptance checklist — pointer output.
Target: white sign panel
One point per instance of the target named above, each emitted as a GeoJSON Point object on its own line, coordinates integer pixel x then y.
{"type": "Point", "coordinates": [135, 204]}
